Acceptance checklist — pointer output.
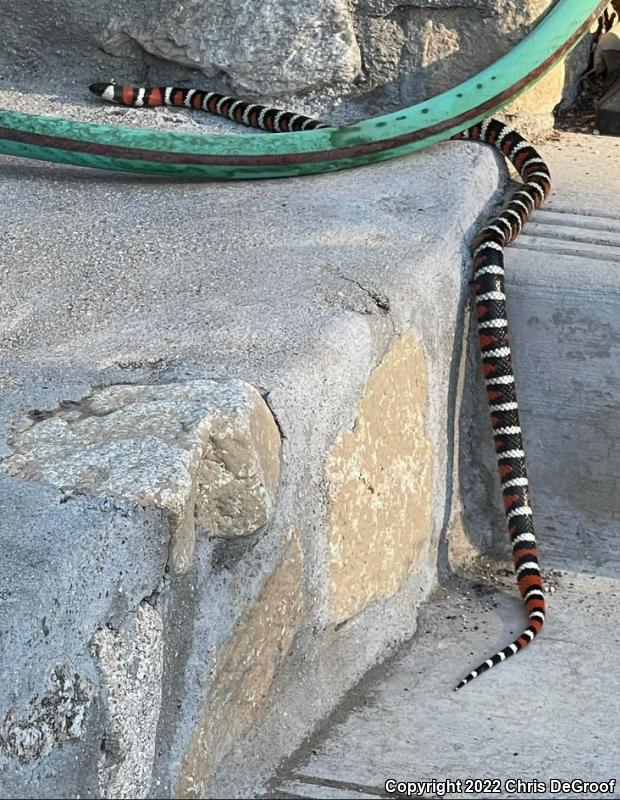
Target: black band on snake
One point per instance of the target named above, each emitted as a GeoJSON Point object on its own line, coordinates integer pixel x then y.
{"type": "Point", "coordinates": [488, 264]}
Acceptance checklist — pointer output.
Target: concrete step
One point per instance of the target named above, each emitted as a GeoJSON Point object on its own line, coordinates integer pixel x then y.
{"type": "Point", "coordinates": [572, 234]}
{"type": "Point", "coordinates": [541, 240]}
{"type": "Point", "coordinates": [556, 221]}
{"type": "Point", "coordinates": [240, 426]}
{"type": "Point", "coordinates": [564, 315]}
{"type": "Point", "coordinates": [551, 712]}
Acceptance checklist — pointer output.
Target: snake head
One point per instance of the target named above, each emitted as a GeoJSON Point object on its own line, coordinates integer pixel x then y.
{"type": "Point", "coordinates": [104, 90]}
{"type": "Point", "coordinates": [98, 88]}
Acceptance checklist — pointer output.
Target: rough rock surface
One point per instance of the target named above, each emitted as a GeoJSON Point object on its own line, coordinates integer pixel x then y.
{"type": "Point", "coordinates": [131, 662]}
{"type": "Point", "coordinates": [55, 718]}
{"type": "Point", "coordinates": [270, 46]}
{"type": "Point", "coordinates": [439, 41]}
{"type": "Point", "coordinates": [207, 452]}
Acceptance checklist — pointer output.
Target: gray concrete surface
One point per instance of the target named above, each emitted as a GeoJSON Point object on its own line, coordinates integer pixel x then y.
{"type": "Point", "coordinates": [551, 712]}
{"type": "Point", "coordinates": [65, 568]}
{"type": "Point", "coordinates": [298, 287]}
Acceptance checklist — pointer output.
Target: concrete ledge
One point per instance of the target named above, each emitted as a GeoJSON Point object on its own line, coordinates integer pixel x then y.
{"type": "Point", "coordinates": [331, 309]}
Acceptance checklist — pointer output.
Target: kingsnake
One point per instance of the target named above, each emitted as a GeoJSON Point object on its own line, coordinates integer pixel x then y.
{"type": "Point", "coordinates": [488, 263]}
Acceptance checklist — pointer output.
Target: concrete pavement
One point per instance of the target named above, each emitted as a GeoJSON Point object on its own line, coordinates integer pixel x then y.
{"type": "Point", "coordinates": [552, 712]}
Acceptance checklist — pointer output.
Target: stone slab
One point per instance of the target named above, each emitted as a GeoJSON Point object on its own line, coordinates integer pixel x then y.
{"type": "Point", "coordinates": [380, 484]}
{"type": "Point", "coordinates": [206, 452]}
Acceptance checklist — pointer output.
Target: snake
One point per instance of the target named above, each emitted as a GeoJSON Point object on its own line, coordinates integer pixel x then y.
{"type": "Point", "coordinates": [490, 300]}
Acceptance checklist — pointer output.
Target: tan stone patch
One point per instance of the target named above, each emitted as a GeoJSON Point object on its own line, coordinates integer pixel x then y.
{"type": "Point", "coordinates": [244, 671]}
{"type": "Point", "coordinates": [380, 484]}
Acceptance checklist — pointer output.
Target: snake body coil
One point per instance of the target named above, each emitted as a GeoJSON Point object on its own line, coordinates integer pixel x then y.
{"type": "Point", "coordinates": [488, 257]}
{"type": "Point", "coordinates": [488, 264]}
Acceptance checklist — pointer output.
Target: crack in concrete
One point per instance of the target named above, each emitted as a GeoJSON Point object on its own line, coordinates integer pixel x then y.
{"type": "Point", "coordinates": [379, 300]}
{"type": "Point", "coordinates": [265, 394]}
